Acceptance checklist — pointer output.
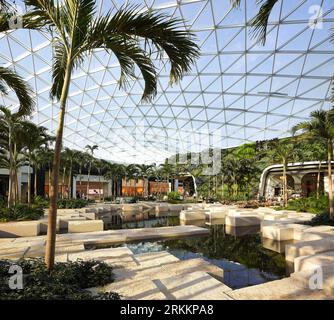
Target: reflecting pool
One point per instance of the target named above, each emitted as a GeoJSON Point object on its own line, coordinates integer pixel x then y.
{"type": "Point", "coordinates": [240, 252]}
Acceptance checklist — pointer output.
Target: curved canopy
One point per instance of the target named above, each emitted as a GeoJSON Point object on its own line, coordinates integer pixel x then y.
{"type": "Point", "coordinates": [238, 91]}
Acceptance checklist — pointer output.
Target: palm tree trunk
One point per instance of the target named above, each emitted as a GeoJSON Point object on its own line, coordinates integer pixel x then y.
{"type": "Point", "coordinates": [52, 218]}
{"type": "Point", "coordinates": [29, 182]}
{"type": "Point", "coordinates": [99, 186]}
{"type": "Point", "coordinates": [70, 181]}
{"type": "Point", "coordinates": [285, 187]}
{"type": "Point", "coordinates": [63, 183]}
{"type": "Point", "coordinates": [330, 182]}
{"type": "Point", "coordinates": [80, 171]}
{"type": "Point", "coordinates": [318, 180]}
{"type": "Point", "coordinates": [10, 187]}
{"type": "Point", "coordinates": [35, 182]}
{"type": "Point", "coordinates": [89, 169]}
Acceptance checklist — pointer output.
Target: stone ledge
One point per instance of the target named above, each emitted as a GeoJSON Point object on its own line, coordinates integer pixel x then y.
{"type": "Point", "coordinates": [19, 229]}
{"type": "Point", "coordinates": [85, 226]}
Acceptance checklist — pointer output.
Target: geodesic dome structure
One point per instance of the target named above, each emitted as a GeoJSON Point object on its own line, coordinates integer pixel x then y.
{"type": "Point", "coordinates": [238, 90]}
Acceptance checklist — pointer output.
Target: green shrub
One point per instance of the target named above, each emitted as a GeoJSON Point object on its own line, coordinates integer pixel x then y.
{"type": "Point", "coordinates": [72, 203]}
{"type": "Point", "coordinates": [174, 196]}
{"type": "Point", "coordinates": [20, 212]}
{"type": "Point", "coordinates": [41, 202]}
{"type": "Point", "coordinates": [310, 204]}
{"type": "Point", "coordinates": [322, 219]}
{"type": "Point", "coordinates": [67, 280]}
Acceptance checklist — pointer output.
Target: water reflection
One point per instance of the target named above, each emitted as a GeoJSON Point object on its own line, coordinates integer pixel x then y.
{"type": "Point", "coordinates": [274, 245]}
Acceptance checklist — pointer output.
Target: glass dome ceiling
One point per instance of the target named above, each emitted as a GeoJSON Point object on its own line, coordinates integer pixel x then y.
{"type": "Point", "coordinates": [237, 92]}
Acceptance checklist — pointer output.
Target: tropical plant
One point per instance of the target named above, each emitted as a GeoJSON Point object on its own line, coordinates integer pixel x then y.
{"type": "Point", "coordinates": [321, 128]}
{"type": "Point", "coordinates": [11, 144]}
{"type": "Point", "coordinates": [145, 171]}
{"type": "Point", "coordinates": [35, 137]}
{"type": "Point", "coordinates": [90, 150]}
{"type": "Point", "coordinates": [283, 151]}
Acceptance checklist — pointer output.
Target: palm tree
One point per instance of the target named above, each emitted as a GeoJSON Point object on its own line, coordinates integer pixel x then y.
{"type": "Point", "coordinates": [144, 172]}
{"type": "Point", "coordinates": [100, 165]}
{"type": "Point", "coordinates": [321, 128]}
{"type": "Point", "coordinates": [10, 124]}
{"type": "Point", "coordinates": [283, 151]}
{"type": "Point", "coordinates": [77, 31]}
{"type": "Point", "coordinates": [69, 157]}
{"type": "Point", "coordinates": [90, 150]}
{"type": "Point", "coordinates": [35, 137]}
{"type": "Point", "coordinates": [82, 161]}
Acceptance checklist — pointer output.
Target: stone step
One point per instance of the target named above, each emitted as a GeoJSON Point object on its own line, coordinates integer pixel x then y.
{"type": "Point", "coordinates": [192, 286]}
{"type": "Point", "coordinates": [284, 289]}
{"type": "Point", "coordinates": [159, 267]}
{"type": "Point", "coordinates": [306, 248]}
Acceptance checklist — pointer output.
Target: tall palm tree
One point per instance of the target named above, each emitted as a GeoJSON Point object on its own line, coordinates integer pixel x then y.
{"type": "Point", "coordinates": [11, 124]}
{"type": "Point", "coordinates": [283, 151]}
{"type": "Point", "coordinates": [69, 156]}
{"type": "Point", "coordinates": [77, 31]}
{"type": "Point", "coordinates": [35, 137]}
{"type": "Point", "coordinates": [82, 161]}
{"type": "Point", "coordinates": [100, 165]}
{"type": "Point", "coordinates": [144, 172]}
{"type": "Point", "coordinates": [90, 150]}
{"type": "Point", "coordinates": [321, 127]}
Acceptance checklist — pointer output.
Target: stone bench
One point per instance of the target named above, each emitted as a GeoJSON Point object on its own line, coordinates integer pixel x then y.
{"type": "Point", "coordinates": [63, 222]}
{"type": "Point", "coordinates": [281, 232]}
{"type": "Point", "coordinates": [242, 220]}
{"type": "Point", "coordinates": [19, 229]}
{"type": "Point", "coordinates": [306, 248]}
{"type": "Point", "coordinates": [315, 233]}
{"type": "Point", "coordinates": [85, 226]}
{"type": "Point", "coordinates": [193, 215]}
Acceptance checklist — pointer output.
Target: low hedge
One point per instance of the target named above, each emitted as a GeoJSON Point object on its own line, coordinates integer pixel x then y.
{"type": "Point", "coordinates": [72, 203]}
{"type": "Point", "coordinates": [20, 212]}
{"type": "Point", "coordinates": [67, 281]}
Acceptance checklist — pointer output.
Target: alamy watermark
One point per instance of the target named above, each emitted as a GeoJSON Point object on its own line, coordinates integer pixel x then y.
{"type": "Point", "coordinates": [15, 281]}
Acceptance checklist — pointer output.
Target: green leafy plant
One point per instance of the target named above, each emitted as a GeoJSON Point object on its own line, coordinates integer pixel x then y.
{"type": "Point", "coordinates": [20, 212]}
{"type": "Point", "coordinates": [322, 219]}
{"type": "Point", "coordinates": [310, 204]}
{"type": "Point", "coordinates": [174, 197]}
{"type": "Point", "coordinates": [72, 203]}
{"type": "Point", "coordinates": [41, 202]}
{"type": "Point", "coordinates": [68, 280]}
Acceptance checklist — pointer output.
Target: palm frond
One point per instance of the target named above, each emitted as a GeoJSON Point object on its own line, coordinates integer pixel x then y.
{"type": "Point", "coordinates": [260, 21]}
{"type": "Point", "coordinates": [77, 16]}
{"type": "Point", "coordinates": [161, 33]}
{"type": "Point", "coordinates": [235, 3]}
{"type": "Point", "coordinates": [122, 33]}
{"type": "Point", "coordinates": [9, 78]}
{"type": "Point", "coordinates": [59, 69]}
{"type": "Point", "coordinates": [43, 13]}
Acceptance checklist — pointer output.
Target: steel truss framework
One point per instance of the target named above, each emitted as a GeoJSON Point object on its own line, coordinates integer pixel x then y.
{"type": "Point", "coordinates": [238, 91]}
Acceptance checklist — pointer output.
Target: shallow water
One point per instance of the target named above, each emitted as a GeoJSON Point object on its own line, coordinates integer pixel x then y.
{"type": "Point", "coordinates": [239, 251]}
